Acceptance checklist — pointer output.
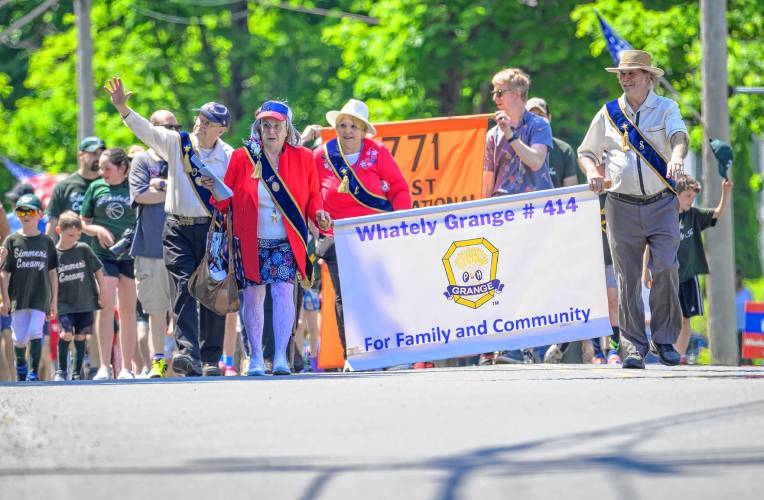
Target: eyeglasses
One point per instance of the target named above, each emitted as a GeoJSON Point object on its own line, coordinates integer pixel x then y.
{"type": "Point", "coordinates": [203, 122]}
{"type": "Point", "coordinates": [170, 126]}
{"type": "Point", "coordinates": [499, 93]}
{"type": "Point", "coordinates": [25, 212]}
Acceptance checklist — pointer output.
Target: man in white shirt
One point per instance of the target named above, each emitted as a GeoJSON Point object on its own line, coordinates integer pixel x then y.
{"type": "Point", "coordinates": [638, 143]}
{"type": "Point", "coordinates": [199, 335]}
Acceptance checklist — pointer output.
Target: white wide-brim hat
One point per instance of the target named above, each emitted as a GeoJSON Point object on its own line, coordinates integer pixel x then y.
{"type": "Point", "coordinates": [356, 109]}
{"type": "Point", "coordinates": [636, 59]}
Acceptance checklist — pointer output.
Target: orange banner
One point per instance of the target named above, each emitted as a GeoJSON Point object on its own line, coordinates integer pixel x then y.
{"type": "Point", "coordinates": [330, 354]}
{"type": "Point", "coordinates": [442, 158]}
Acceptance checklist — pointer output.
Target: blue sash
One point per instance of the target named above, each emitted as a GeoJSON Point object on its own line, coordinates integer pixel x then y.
{"type": "Point", "coordinates": [633, 138]}
{"type": "Point", "coordinates": [288, 207]}
{"type": "Point", "coordinates": [191, 165]}
{"type": "Point", "coordinates": [356, 189]}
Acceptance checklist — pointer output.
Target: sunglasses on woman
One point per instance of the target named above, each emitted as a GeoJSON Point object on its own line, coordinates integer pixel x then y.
{"type": "Point", "coordinates": [25, 212]}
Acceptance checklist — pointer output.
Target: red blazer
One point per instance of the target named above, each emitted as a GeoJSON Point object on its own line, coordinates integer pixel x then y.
{"type": "Point", "coordinates": [375, 165]}
{"type": "Point", "coordinates": [299, 173]}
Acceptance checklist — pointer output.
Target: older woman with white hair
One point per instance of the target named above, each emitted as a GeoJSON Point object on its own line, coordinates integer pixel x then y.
{"type": "Point", "coordinates": [275, 193]}
{"type": "Point", "coordinates": [358, 176]}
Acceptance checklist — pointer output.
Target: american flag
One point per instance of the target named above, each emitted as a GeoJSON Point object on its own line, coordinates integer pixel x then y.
{"type": "Point", "coordinates": [615, 44]}
{"type": "Point", "coordinates": [42, 182]}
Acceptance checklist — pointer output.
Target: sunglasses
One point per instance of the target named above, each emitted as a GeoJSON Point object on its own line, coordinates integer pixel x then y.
{"type": "Point", "coordinates": [499, 93]}
{"type": "Point", "coordinates": [25, 212]}
{"type": "Point", "coordinates": [170, 126]}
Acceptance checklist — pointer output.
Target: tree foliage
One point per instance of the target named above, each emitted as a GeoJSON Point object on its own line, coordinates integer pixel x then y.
{"type": "Point", "coordinates": [423, 58]}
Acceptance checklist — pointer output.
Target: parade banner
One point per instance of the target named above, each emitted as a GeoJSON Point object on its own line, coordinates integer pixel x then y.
{"type": "Point", "coordinates": [441, 158]}
{"type": "Point", "coordinates": [488, 275]}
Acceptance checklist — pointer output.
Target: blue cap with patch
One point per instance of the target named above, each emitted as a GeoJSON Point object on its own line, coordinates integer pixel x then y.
{"type": "Point", "coordinates": [215, 112]}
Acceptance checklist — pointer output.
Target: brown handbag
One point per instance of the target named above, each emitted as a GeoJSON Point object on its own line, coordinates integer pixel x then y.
{"type": "Point", "coordinates": [220, 297]}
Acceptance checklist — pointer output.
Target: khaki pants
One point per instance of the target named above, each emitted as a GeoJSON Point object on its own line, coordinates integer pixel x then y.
{"type": "Point", "coordinates": [630, 228]}
{"type": "Point", "coordinates": [153, 284]}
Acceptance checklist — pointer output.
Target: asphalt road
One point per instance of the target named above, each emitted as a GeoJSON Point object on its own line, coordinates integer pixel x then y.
{"type": "Point", "coordinates": [527, 432]}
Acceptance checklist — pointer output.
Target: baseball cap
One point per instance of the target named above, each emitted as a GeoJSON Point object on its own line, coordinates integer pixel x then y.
{"type": "Point", "coordinates": [92, 144]}
{"type": "Point", "coordinates": [215, 112]}
{"type": "Point", "coordinates": [723, 153]}
{"type": "Point", "coordinates": [29, 201]}
{"type": "Point", "coordinates": [19, 190]}
{"type": "Point", "coordinates": [274, 109]}
{"type": "Point", "coordinates": [537, 102]}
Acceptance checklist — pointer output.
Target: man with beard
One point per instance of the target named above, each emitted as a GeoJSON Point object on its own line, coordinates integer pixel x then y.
{"type": "Point", "coordinates": [67, 195]}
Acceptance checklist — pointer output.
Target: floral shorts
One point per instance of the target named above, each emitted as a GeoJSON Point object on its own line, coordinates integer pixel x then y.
{"type": "Point", "coordinates": [277, 263]}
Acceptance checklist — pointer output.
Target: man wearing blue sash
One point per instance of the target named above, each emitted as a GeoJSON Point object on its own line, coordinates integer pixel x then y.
{"type": "Point", "coordinates": [199, 335]}
{"type": "Point", "coordinates": [634, 149]}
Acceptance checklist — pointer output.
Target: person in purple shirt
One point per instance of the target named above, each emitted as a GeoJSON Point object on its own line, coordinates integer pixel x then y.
{"type": "Point", "coordinates": [516, 147]}
{"type": "Point", "coordinates": [516, 159]}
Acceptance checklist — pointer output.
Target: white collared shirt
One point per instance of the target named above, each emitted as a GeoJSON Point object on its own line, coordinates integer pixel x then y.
{"type": "Point", "coordinates": [182, 198]}
{"type": "Point", "coordinates": [658, 118]}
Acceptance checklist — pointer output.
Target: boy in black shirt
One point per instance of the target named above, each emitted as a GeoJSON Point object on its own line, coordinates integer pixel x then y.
{"type": "Point", "coordinates": [78, 296]}
{"type": "Point", "coordinates": [692, 258]}
{"type": "Point", "coordinates": [30, 285]}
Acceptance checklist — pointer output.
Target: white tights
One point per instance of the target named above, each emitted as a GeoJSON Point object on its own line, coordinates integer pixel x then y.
{"type": "Point", "coordinates": [283, 317]}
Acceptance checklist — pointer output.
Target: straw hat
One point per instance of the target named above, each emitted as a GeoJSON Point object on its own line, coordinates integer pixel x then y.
{"type": "Point", "coordinates": [636, 59]}
{"type": "Point", "coordinates": [356, 109]}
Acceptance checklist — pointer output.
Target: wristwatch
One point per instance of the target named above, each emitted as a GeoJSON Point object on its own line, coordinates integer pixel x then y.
{"type": "Point", "coordinates": [163, 185]}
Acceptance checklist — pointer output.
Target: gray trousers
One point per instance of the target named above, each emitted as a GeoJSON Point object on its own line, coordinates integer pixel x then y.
{"type": "Point", "coordinates": [630, 227]}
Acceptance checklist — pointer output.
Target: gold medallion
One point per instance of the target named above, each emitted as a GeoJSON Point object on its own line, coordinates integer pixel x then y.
{"type": "Point", "coordinates": [275, 187]}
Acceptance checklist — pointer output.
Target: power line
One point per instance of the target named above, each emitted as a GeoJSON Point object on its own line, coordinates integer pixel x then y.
{"type": "Point", "coordinates": [26, 19]}
{"type": "Point", "coordinates": [317, 11]}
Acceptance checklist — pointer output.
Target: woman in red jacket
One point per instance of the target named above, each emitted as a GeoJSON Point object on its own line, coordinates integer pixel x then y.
{"type": "Point", "coordinates": [357, 176]}
{"type": "Point", "coordinates": [275, 193]}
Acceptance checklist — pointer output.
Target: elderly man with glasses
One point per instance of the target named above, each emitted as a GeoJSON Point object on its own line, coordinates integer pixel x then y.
{"type": "Point", "coordinates": [199, 335]}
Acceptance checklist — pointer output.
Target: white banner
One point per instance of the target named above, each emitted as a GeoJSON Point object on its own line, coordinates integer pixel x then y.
{"type": "Point", "coordinates": [468, 278]}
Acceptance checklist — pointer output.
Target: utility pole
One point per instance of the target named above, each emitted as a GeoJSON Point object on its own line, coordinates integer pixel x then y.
{"type": "Point", "coordinates": [84, 69]}
{"type": "Point", "coordinates": [719, 240]}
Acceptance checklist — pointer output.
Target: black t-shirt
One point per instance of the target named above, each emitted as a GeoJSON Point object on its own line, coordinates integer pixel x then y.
{"type": "Point", "coordinates": [77, 287]}
{"type": "Point", "coordinates": [68, 195]}
{"type": "Point", "coordinates": [29, 260]}
{"type": "Point", "coordinates": [692, 258]}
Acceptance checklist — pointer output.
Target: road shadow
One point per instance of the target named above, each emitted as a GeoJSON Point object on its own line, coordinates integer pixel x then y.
{"type": "Point", "coordinates": [542, 457]}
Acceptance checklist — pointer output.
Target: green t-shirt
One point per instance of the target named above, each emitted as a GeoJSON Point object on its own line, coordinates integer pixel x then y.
{"type": "Point", "coordinates": [109, 206]}
{"type": "Point", "coordinates": [77, 287]}
{"type": "Point", "coordinates": [692, 258]}
{"type": "Point", "coordinates": [30, 258]}
{"type": "Point", "coordinates": [562, 162]}
{"type": "Point", "coordinates": [68, 195]}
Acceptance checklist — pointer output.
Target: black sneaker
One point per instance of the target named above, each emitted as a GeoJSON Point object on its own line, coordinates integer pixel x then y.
{"type": "Point", "coordinates": [185, 366]}
{"type": "Point", "coordinates": [211, 370]}
{"type": "Point", "coordinates": [667, 354]}
{"type": "Point", "coordinates": [634, 361]}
